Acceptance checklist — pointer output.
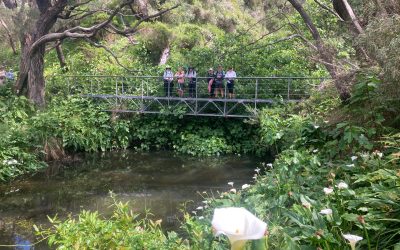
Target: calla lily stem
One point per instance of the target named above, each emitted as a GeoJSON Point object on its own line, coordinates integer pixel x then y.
{"type": "Point", "coordinates": [367, 237]}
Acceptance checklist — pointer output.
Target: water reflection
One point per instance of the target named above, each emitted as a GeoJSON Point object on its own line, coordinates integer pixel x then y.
{"type": "Point", "coordinates": [158, 181]}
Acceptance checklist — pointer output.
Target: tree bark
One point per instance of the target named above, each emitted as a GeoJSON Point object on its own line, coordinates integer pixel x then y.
{"type": "Point", "coordinates": [36, 82]}
{"type": "Point", "coordinates": [323, 51]}
{"type": "Point", "coordinates": [22, 79]}
{"type": "Point", "coordinates": [61, 57]}
{"type": "Point", "coordinates": [30, 81]}
{"type": "Point", "coordinates": [345, 11]}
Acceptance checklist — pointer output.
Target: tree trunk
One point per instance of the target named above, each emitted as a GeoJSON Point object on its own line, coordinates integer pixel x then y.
{"type": "Point", "coordinates": [324, 53]}
{"type": "Point", "coordinates": [22, 79]}
{"type": "Point", "coordinates": [346, 12]}
{"type": "Point", "coordinates": [30, 81]}
{"type": "Point", "coordinates": [36, 82]}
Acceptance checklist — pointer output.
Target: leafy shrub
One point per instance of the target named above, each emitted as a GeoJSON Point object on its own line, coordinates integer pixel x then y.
{"type": "Point", "coordinates": [278, 130]}
{"type": "Point", "coordinates": [194, 144]}
{"type": "Point", "coordinates": [123, 230]}
{"type": "Point", "coordinates": [16, 150]}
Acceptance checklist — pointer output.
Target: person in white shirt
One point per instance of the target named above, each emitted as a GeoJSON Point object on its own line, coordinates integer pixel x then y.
{"type": "Point", "coordinates": [191, 77]}
{"type": "Point", "coordinates": [168, 81]}
{"type": "Point", "coordinates": [230, 77]}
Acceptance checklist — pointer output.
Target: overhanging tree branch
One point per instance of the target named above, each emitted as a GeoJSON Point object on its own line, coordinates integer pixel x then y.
{"type": "Point", "coordinates": [78, 31]}
{"type": "Point", "coordinates": [144, 19]}
{"type": "Point", "coordinates": [97, 45]}
{"type": "Point", "coordinates": [323, 6]}
{"type": "Point", "coordinates": [326, 57]}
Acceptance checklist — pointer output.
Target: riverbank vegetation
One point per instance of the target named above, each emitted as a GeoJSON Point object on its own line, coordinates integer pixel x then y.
{"type": "Point", "coordinates": [337, 162]}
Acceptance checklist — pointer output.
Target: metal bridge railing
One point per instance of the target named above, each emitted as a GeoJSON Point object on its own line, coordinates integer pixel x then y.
{"type": "Point", "coordinates": [257, 88]}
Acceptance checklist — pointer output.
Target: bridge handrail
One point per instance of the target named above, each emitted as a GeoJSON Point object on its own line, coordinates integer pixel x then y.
{"type": "Point", "coordinates": [147, 94]}
{"type": "Point", "coordinates": [199, 77]}
{"type": "Point", "coordinates": [295, 87]}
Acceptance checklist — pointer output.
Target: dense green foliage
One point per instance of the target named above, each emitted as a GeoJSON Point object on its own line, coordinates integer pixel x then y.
{"type": "Point", "coordinates": [122, 231]}
{"type": "Point", "coordinates": [329, 155]}
{"type": "Point", "coordinates": [357, 160]}
{"type": "Point", "coordinates": [73, 124]}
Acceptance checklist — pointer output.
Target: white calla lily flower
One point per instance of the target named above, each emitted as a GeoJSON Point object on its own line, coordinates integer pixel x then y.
{"type": "Point", "coordinates": [343, 185]}
{"type": "Point", "coordinates": [10, 162]}
{"type": "Point", "coordinates": [327, 211]}
{"type": "Point", "coordinates": [230, 183]}
{"type": "Point", "coordinates": [353, 158]}
{"type": "Point", "coordinates": [238, 224]}
{"type": "Point", "coordinates": [353, 239]}
{"type": "Point", "coordinates": [245, 186]}
{"type": "Point", "coordinates": [328, 190]}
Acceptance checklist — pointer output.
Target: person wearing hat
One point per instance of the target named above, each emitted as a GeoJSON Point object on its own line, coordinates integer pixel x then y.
{"type": "Point", "coordinates": [191, 76]}
{"type": "Point", "coordinates": [168, 81]}
{"type": "Point", "coordinates": [210, 81]}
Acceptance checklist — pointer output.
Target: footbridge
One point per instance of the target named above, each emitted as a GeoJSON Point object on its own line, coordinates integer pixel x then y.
{"type": "Point", "coordinates": [146, 94]}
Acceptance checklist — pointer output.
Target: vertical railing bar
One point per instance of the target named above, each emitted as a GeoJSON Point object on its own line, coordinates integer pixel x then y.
{"type": "Point", "coordinates": [142, 90]}
{"type": "Point", "coordinates": [116, 92]}
{"type": "Point", "coordinates": [226, 85]}
{"type": "Point", "coordinates": [196, 101]}
{"type": "Point", "coordinates": [288, 88]}
{"type": "Point", "coordinates": [122, 86]}
{"type": "Point", "coordinates": [256, 95]}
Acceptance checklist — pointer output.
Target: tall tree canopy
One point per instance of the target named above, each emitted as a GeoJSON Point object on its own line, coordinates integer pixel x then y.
{"type": "Point", "coordinates": [46, 21]}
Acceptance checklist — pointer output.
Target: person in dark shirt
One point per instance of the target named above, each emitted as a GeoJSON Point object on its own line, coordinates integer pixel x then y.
{"type": "Point", "coordinates": [219, 81]}
{"type": "Point", "coordinates": [210, 81]}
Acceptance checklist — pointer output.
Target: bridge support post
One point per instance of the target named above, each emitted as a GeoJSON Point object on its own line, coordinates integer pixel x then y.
{"type": "Point", "coordinates": [288, 88]}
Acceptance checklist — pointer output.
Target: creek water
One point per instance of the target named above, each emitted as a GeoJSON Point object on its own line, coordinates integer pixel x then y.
{"type": "Point", "coordinates": [159, 181]}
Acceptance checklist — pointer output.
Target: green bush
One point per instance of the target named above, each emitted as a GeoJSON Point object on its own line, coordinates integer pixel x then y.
{"type": "Point", "coordinates": [123, 230]}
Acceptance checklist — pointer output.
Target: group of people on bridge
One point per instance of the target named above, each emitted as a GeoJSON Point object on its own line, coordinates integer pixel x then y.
{"type": "Point", "coordinates": [215, 81]}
